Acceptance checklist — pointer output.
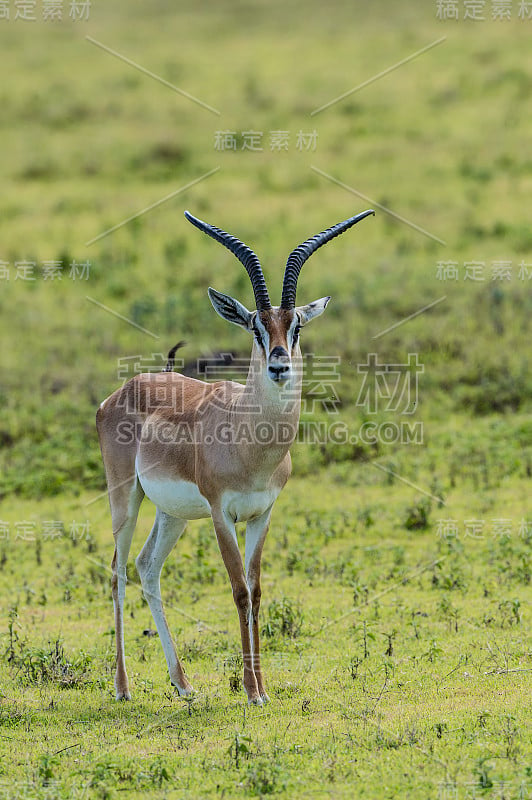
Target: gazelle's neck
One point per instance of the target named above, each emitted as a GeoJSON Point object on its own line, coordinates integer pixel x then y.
{"type": "Point", "coordinates": [268, 405]}
{"type": "Point", "coordinates": [274, 397]}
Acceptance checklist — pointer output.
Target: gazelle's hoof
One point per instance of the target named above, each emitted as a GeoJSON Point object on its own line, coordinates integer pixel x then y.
{"type": "Point", "coordinates": [185, 692]}
{"type": "Point", "coordinates": [265, 698]}
{"type": "Point", "coordinates": [123, 694]}
{"type": "Point", "coordinates": [254, 701]}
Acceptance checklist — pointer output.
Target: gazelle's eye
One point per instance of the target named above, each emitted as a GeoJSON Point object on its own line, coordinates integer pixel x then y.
{"type": "Point", "coordinates": [295, 335]}
{"type": "Point", "coordinates": [256, 334]}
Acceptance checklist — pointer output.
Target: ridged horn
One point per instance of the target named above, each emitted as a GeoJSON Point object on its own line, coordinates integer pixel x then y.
{"type": "Point", "coordinates": [245, 255]}
{"type": "Point", "coordinates": [298, 256]}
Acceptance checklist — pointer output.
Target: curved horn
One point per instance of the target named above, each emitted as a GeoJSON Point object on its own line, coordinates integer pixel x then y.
{"type": "Point", "coordinates": [298, 256]}
{"type": "Point", "coordinates": [244, 254]}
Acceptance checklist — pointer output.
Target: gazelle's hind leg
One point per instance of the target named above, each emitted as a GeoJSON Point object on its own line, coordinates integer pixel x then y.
{"type": "Point", "coordinates": [256, 531]}
{"type": "Point", "coordinates": [125, 503]}
{"type": "Point", "coordinates": [164, 534]}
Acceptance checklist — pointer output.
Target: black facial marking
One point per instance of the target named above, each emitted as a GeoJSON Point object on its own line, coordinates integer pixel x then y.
{"type": "Point", "coordinates": [295, 335]}
{"type": "Point", "coordinates": [257, 335]}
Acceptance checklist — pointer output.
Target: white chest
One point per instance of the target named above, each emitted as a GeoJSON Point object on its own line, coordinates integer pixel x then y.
{"type": "Point", "coordinates": [242, 506]}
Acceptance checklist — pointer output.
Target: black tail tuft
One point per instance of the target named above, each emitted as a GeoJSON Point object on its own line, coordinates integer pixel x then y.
{"type": "Point", "coordinates": [171, 356]}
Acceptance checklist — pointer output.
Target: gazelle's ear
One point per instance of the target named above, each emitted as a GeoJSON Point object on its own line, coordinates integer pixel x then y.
{"type": "Point", "coordinates": [306, 313]}
{"type": "Point", "coordinates": [230, 309]}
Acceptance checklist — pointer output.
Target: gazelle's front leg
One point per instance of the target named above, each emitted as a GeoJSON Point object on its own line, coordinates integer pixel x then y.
{"type": "Point", "coordinates": [256, 531]}
{"type": "Point", "coordinates": [227, 542]}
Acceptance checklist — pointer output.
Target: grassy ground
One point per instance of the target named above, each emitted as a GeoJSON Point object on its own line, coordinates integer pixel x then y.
{"type": "Point", "coordinates": [397, 575]}
{"type": "Point", "coordinates": [397, 656]}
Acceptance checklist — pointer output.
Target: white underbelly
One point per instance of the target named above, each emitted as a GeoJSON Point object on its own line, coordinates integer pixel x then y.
{"type": "Point", "coordinates": [183, 499]}
{"type": "Point", "coordinates": [176, 498]}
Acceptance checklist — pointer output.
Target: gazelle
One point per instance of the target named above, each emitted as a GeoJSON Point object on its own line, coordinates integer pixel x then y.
{"type": "Point", "coordinates": [210, 449]}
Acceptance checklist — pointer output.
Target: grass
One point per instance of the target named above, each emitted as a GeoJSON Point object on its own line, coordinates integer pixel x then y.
{"type": "Point", "coordinates": [396, 618]}
{"type": "Point", "coordinates": [391, 651]}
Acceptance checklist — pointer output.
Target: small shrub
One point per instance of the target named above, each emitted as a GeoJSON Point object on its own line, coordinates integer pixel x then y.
{"type": "Point", "coordinates": [235, 666]}
{"type": "Point", "coordinates": [159, 772]}
{"type": "Point", "coordinates": [45, 768]}
{"type": "Point", "coordinates": [417, 515]}
{"type": "Point", "coordinates": [264, 777]}
{"type": "Point", "coordinates": [510, 611]}
{"type": "Point", "coordinates": [284, 619]}
{"type": "Point", "coordinates": [239, 746]}
{"type": "Point", "coordinates": [38, 665]}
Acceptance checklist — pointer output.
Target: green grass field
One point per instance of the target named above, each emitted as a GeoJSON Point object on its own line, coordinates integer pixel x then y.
{"type": "Point", "coordinates": [396, 587]}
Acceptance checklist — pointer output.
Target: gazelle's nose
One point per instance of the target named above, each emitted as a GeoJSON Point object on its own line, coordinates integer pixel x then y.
{"type": "Point", "coordinates": [279, 364]}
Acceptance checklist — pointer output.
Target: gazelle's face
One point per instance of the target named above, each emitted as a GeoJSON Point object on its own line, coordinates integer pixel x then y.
{"type": "Point", "coordinates": [276, 331]}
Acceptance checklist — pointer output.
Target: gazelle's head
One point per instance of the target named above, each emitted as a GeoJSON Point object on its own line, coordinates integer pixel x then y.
{"type": "Point", "coordinates": [275, 329]}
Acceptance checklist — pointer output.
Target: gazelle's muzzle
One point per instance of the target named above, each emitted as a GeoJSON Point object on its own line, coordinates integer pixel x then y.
{"type": "Point", "coordinates": [279, 365]}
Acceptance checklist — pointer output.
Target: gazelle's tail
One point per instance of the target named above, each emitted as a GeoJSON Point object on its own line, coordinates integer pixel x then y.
{"type": "Point", "coordinates": [171, 356]}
